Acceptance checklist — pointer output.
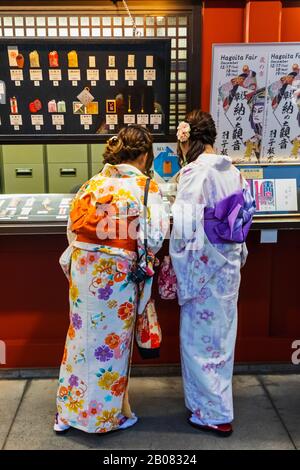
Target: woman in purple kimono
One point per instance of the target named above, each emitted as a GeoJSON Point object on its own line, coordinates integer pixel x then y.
{"type": "Point", "coordinates": [212, 215]}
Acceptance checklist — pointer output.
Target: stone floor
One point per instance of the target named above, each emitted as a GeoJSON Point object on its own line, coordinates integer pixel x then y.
{"type": "Point", "coordinates": [267, 416]}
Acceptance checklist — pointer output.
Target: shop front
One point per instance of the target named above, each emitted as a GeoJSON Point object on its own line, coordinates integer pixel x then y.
{"type": "Point", "coordinates": [96, 69]}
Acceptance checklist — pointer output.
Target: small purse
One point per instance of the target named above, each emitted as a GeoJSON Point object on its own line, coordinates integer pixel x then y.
{"type": "Point", "coordinates": [148, 332]}
{"type": "Point", "coordinates": [167, 282]}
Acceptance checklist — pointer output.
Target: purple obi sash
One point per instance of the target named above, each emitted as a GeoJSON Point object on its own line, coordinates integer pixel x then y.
{"type": "Point", "coordinates": [229, 221]}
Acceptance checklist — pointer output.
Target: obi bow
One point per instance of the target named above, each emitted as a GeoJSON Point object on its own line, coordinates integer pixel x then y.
{"type": "Point", "coordinates": [230, 220]}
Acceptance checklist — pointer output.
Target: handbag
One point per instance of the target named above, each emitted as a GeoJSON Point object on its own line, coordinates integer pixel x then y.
{"type": "Point", "coordinates": [148, 332]}
{"type": "Point", "coordinates": [167, 282]}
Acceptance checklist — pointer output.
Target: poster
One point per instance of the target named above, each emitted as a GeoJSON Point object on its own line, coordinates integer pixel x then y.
{"type": "Point", "coordinates": [238, 99]}
{"type": "Point", "coordinates": [275, 195]}
{"type": "Point", "coordinates": [255, 101]}
{"type": "Point", "coordinates": [281, 137]}
{"type": "Point", "coordinates": [166, 162]}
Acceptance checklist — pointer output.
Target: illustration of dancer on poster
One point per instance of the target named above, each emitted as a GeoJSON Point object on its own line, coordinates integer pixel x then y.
{"type": "Point", "coordinates": [281, 139]}
{"type": "Point", "coordinates": [239, 109]}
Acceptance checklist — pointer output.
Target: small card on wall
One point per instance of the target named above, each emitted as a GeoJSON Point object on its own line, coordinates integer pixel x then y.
{"type": "Point", "coordinates": [85, 96]}
{"type": "Point", "coordinates": [16, 75]}
{"type": "Point", "coordinates": [86, 119]}
{"type": "Point", "coordinates": [130, 74]}
{"type": "Point", "coordinates": [149, 61]}
{"type": "Point", "coordinates": [130, 61]}
{"type": "Point", "coordinates": [36, 75]}
{"type": "Point", "coordinates": [92, 75]}
{"type": "Point", "coordinates": [111, 119]}
{"type": "Point", "coordinates": [143, 119]}
{"type": "Point", "coordinates": [155, 119]}
{"type": "Point", "coordinates": [58, 119]}
{"type": "Point", "coordinates": [111, 61]}
{"type": "Point", "coordinates": [129, 118]}
{"type": "Point", "coordinates": [149, 74]}
{"type": "Point", "coordinates": [37, 120]}
{"type": "Point", "coordinates": [112, 74]}
{"type": "Point", "coordinates": [74, 75]}
{"type": "Point", "coordinates": [15, 119]}
{"type": "Point", "coordinates": [55, 75]}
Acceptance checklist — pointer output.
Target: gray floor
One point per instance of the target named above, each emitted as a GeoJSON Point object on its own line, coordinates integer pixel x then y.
{"type": "Point", "coordinates": [267, 416]}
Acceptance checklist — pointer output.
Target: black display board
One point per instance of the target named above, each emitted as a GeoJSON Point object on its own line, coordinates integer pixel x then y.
{"type": "Point", "coordinates": [146, 97]}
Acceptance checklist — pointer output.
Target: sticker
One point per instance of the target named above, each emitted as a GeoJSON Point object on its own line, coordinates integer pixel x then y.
{"type": "Point", "coordinates": [92, 61]}
{"type": "Point", "coordinates": [74, 75]}
{"type": "Point", "coordinates": [129, 119]}
{"type": "Point", "coordinates": [111, 119]}
{"type": "Point", "coordinates": [112, 74]}
{"type": "Point", "coordinates": [112, 83]}
{"type": "Point", "coordinates": [130, 74]}
{"type": "Point", "coordinates": [72, 59]}
{"type": "Point", "coordinates": [143, 119]}
{"type": "Point", "coordinates": [149, 61]}
{"type": "Point", "coordinates": [55, 75]}
{"type": "Point", "coordinates": [53, 59]}
{"type": "Point", "coordinates": [52, 106]}
{"type": "Point", "coordinates": [86, 120]}
{"type": "Point", "coordinates": [12, 52]}
{"type": "Point", "coordinates": [149, 74]}
{"type": "Point", "coordinates": [130, 83]}
{"type": "Point", "coordinates": [111, 61]}
{"type": "Point", "coordinates": [92, 74]}
{"type": "Point", "coordinates": [34, 59]}
{"type": "Point", "coordinates": [15, 119]}
{"type": "Point", "coordinates": [16, 75]}
{"type": "Point", "coordinates": [149, 83]}
{"type": "Point", "coordinates": [130, 61]}
{"type": "Point", "coordinates": [58, 119]}
{"type": "Point", "coordinates": [85, 96]}
{"type": "Point", "coordinates": [111, 106]}
{"type": "Point", "coordinates": [93, 83]}
{"type": "Point", "coordinates": [155, 119]}
{"type": "Point", "coordinates": [74, 83]}
{"type": "Point", "coordinates": [36, 75]}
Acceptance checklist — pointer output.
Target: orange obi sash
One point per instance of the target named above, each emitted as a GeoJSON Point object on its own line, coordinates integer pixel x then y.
{"type": "Point", "coordinates": [86, 223]}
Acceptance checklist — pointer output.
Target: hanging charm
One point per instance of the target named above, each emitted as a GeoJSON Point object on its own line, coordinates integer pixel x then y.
{"type": "Point", "coordinates": [20, 61]}
{"type": "Point", "coordinates": [72, 59]}
{"type": "Point", "coordinates": [13, 105]}
{"type": "Point", "coordinates": [52, 107]}
{"type": "Point", "coordinates": [53, 59]}
{"type": "Point", "coordinates": [85, 97]}
{"type": "Point", "coordinates": [61, 106]}
{"type": "Point", "coordinates": [35, 106]}
{"type": "Point", "coordinates": [34, 59]}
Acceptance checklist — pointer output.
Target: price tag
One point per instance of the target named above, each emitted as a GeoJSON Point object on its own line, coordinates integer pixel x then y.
{"type": "Point", "coordinates": [111, 126]}
{"type": "Point", "coordinates": [36, 83]}
{"type": "Point", "coordinates": [112, 83]}
{"type": "Point", "coordinates": [55, 75]}
{"type": "Point", "coordinates": [111, 119]}
{"type": "Point", "coordinates": [143, 119]}
{"type": "Point", "coordinates": [74, 83]}
{"type": "Point", "coordinates": [149, 83]}
{"type": "Point", "coordinates": [86, 120]}
{"type": "Point", "coordinates": [129, 119]}
{"type": "Point", "coordinates": [16, 120]}
{"type": "Point", "coordinates": [16, 128]}
{"type": "Point", "coordinates": [55, 83]}
{"type": "Point", "coordinates": [130, 83]}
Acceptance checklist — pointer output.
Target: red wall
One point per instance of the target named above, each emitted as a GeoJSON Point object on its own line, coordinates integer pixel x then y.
{"type": "Point", "coordinates": [228, 21]}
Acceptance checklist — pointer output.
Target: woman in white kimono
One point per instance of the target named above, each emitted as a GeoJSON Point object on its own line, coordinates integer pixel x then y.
{"type": "Point", "coordinates": [211, 218]}
{"type": "Point", "coordinates": [106, 232]}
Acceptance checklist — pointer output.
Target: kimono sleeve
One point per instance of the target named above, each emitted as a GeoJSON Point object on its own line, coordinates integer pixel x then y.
{"type": "Point", "coordinates": [157, 219]}
{"type": "Point", "coordinates": [189, 205]}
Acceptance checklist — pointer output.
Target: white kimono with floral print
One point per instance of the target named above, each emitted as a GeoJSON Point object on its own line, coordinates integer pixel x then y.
{"type": "Point", "coordinates": [208, 283]}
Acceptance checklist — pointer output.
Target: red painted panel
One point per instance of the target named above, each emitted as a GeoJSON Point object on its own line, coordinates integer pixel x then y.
{"type": "Point", "coordinates": [221, 23]}
{"type": "Point", "coordinates": [263, 21]}
{"type": "Point", "coordinates": [290, 30]}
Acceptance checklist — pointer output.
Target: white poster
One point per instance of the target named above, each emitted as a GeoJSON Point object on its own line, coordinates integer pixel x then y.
{"type": "Point", "coordinates": [238, 98]}
{"type": "Point", "coordinates": [281, 137]}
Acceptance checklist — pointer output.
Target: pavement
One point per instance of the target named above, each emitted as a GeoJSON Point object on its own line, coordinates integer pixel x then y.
{"type": "Point", "coordinates": [267, 416]}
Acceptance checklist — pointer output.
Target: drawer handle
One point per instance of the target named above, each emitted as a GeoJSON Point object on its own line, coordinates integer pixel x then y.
{"type": "Point", "coordinates": [24, 172]}
{"type": "Point", "coordinates": [68, 171]}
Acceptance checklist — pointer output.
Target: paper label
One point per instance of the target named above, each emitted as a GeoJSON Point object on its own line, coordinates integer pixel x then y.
{"type": "Point", "coordinates": [111, 119]}
{"type": "Point", "coordinates": [55, 75]}
{"type": "Point", "coordinates": [149, 74]}
{"type": "Point", "coordinates": [86, 119]}
{"type": "Point", "coordinates": [155, 119]}
{"type": "Point", "coordinates": [16, 75]}
{"type": "Point", "coordinates": [112, 75]}
{"type": "Point", "coordinates": [92, 74]}
{"type": "Point", "coordinates": [130, 74]}
{"type": "Point", "coordinates": [143, 119]}
{"type": "Point", "coordinates": [58, 119]}
{"type": "Point", "coordinates": [74, 75]}
{"type": "Point", "coordinates": [37, 120]}
{"type": "Point", "coordinates": [129, 119]}
{"type": "Point", "coordinates": [36, 75]}
{"type": "Point", "coordinates": [15, 119]}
